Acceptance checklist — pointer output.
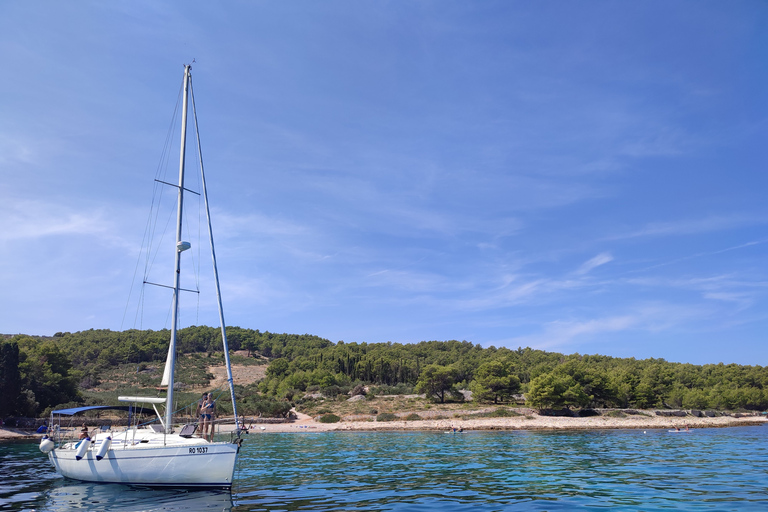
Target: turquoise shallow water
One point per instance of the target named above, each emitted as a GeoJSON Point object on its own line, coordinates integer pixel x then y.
{"type": "Point", "coordinates": [707, 469]}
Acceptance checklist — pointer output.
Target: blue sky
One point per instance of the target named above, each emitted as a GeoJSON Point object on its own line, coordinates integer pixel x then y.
{"type": "Point", "coordinates": [571, 176]}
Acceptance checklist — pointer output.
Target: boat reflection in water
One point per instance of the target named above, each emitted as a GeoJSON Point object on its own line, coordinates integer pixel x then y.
{"type": "Point", "coordinates": [73, 495]}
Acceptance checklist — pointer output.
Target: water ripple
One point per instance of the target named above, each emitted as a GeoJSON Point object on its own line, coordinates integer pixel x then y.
{"type": "Point", "coordinates": [713, 470]}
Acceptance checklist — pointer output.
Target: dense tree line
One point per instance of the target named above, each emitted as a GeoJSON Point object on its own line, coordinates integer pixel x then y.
{"type": "Point", "coordinates": [50, 369]}
{"type": "Point", "coordinates": [35, 375]}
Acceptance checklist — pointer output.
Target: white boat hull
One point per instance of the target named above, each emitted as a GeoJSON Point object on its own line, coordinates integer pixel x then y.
{"type": "Point", "coordinates": [195, 463]}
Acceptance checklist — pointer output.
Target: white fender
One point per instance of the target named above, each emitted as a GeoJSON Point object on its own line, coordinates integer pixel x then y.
{"type": "Point", "coordinates": [104, 448]}
{"type": "Point", "coordinates": [82, 448]}
{"type": "Point", "coordinates": [46, 444]}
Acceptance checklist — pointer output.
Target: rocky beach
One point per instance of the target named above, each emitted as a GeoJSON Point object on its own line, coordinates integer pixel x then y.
{"type": "Point", "coordinates": [643, 420]}
{"type": "Point", "coordinates": [646, 420]}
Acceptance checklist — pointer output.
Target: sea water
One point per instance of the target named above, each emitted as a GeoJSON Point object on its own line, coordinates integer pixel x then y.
{"type": "Point", "coordinates": [705, 469]}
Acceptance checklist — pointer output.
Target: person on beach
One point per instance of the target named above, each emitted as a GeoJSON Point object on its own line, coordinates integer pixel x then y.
{"type": "Point", "coordinates": [243, 428]}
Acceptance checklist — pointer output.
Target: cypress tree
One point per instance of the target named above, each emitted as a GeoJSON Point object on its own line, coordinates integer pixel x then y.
{"type": "Point", "coordinates": [10, 377]}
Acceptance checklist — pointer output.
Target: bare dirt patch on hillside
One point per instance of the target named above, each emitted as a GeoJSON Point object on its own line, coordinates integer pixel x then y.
{"type": "Point", "coordinates": [241, 374]}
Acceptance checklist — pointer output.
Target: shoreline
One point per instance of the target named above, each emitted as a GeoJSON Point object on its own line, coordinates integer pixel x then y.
{"type": "Point", "coordinates": [532, 422]}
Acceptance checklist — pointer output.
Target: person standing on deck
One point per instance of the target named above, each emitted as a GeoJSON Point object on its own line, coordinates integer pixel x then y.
{"type": "Point", "coordinates": [210, 410]}
{"type": "Point", "coordinates": [201, 414]}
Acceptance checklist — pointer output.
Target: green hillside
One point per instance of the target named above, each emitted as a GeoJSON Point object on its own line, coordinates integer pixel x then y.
{"type": "Point", "coordinates": [94, 365]}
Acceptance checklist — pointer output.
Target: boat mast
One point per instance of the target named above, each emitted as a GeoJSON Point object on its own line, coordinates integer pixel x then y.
{"type": "Point", "coordinates": [215, 268]}
{"type": "Point", "coordinates": [180, 247]}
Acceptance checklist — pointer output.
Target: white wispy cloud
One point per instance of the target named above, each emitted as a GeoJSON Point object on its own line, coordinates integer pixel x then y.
{"type": "Point", "coordinates": [698, 255]}
{"type": "Point", "coordinates": [743, 291]}
{"type": "Point", "coordinates": [30, 219]}
{"type": "Point", "coordinates": [562, 332]}
{"type": "Point", "coordinates": [692, 226]}
{"type": "Point", "coordinates": [17, 150]}
{"type": "Point", "coordinates": [665, 141]}
{"type": "Point", "coordinates": [649, 317]}
{"type": "Point", "coordinates": [231, 225]}
{"type": "Point", "coordinates": [741, 299]}
{"type": "Point", "coordinates": [589, 265]}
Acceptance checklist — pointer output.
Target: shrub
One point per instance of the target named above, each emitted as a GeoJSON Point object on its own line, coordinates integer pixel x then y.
{"type": "Point", "coordinates": [329, 418]}
{"type": "Point", "coordinates": [632, 411]}
{"type": "Point", "coordinates": [413, 417]}
{"type": "Point", "coordinates": [503, 413]}
{"type": "Point", "coordinates": [334, 391]}
{"type": "Point", "coordinates": [496, 413]}
{"type": "Point", "coordinates": [267, 407]}
{"type": "Point", "coordinates": [400, 389]}
{"type": "Point", "coordinates": [386, 416]}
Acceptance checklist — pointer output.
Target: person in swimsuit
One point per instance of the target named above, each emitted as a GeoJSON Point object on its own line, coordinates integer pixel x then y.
{"type": "Point", "coordinates": [201, 414]}
{"type": "Point", "coordinates": [209, 410]}
{"type": "Point", "coordinates": [198, 411]}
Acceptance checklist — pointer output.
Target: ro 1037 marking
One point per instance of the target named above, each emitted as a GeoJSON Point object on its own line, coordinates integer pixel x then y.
{"type": "Point", "coordinates": [199, 449]}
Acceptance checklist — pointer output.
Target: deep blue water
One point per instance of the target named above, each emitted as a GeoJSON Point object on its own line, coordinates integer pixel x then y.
{"type": "Point", "coordinates": [706, 469]}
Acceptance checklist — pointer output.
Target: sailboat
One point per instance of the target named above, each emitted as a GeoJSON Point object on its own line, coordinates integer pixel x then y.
{"type": "Point", "coordinates": [155, 454]}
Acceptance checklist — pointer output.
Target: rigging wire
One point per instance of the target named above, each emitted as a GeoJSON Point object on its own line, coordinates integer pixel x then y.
{"type": "Point", "coordinates": [155, 232]}
{"type": "Point", "coordinates": [151, 226]}
{"type": "Point", "coordinates": [198, 160]}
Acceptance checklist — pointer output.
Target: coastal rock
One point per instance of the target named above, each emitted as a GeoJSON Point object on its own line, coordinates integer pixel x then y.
{"type": "Point", "coordinates": [467, 394]}
{"type": "Point", "coordinates": [696, 413]}
{"type": "Point", "coordinates": [356, 398]}
{"type": "Point", "coordinates": [671, 413]}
